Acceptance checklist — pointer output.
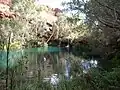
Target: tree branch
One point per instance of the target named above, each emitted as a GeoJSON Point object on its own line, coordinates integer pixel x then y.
{"type": "Point", "coordinates": [108, 25]}
{"type": "Point", "coordinates": [108, 7]}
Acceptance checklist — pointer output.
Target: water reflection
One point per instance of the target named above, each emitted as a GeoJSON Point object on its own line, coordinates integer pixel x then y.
{"type": "Point", "coordinates": [87, 65]}
{"type": "Point", "coordinates": [54, 80]}
{"type": "Point", "coordinates": [67, 69]}
{"type": "Point", "coordinates": [50, 65]}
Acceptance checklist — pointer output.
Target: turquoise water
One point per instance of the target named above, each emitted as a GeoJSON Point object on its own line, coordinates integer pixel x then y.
{"type": "Point", "coordinates": [15, 55]}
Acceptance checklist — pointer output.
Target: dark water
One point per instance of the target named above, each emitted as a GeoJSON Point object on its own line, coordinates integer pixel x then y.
{"type": "Point", "coordinates": [37, 64]}
{"type": "Point", "coordinates": [47, 59]}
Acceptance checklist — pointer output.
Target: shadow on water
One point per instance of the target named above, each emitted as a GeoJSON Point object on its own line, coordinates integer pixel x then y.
{"type": "Point", "coordinates": [31, 67]}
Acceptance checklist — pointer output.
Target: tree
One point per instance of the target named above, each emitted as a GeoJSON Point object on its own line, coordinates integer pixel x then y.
{"type": "Point", "coordinates": [103, 16]}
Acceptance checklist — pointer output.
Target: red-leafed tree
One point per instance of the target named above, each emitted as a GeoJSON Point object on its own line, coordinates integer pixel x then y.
{"type": "Point", "coordinates": [6, 2]}
{"type": "Point", "coordinates": [57, 10]}
{"type": "Point", "coordinates": [5, 13]}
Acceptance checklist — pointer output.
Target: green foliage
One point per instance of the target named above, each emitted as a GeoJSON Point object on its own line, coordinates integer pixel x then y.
{"type": "Point", "coordinates": [101, 26]}
{"type": "Point", "coordinates": [106, 80]}
{"type": "Point", "coordinates": [102, 18]}
{"type": "Point", "coordinates": [81, 49]}
{"type": "Point", "coordinates": [116, 60]}
{"type": "Point", "coordinates": [14, 46]}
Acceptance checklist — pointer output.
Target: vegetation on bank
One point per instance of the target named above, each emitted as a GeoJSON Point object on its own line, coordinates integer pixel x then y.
{"type": "Point", "coordinates": [97, 34]}
{"type": "Point", "coordinates": [102, 18]}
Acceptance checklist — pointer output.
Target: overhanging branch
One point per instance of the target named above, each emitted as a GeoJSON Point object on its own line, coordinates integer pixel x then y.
{"type": "Point", "coordinates": [108, 7]}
